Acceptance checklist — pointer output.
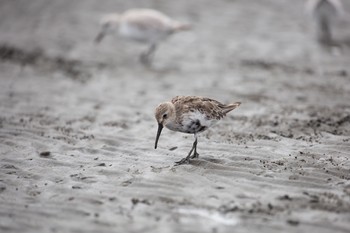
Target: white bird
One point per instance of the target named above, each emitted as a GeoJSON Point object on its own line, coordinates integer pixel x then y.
{"type": "Point", "coordinates": [324, 12]}
{"type": "Point", "coordinates": [142, 25]}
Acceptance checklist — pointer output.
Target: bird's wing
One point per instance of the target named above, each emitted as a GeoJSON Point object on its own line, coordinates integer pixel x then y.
{"type": "Point", "coordinates": [211, 108]}
{"type": "Point", "coordinates": [148, 20]}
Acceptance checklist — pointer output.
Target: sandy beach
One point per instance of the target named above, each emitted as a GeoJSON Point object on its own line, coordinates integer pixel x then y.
{"type": "Point", "coordinates": [77, 124]}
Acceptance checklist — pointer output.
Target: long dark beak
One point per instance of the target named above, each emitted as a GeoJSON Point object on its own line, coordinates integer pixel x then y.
{"type": "Point", "coordinates": [160, 127]}
{"type": "Point", "coordinates": [99, 37]}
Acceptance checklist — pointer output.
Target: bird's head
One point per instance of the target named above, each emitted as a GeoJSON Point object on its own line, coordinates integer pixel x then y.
{"type": "Point", "coordinates": [164, 114]}
{"type": "Point", "coordinates": [108, 23]}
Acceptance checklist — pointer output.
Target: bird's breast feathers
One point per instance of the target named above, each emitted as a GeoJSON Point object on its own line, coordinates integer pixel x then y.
{"type": "Point", "coordinates": [191, 122]}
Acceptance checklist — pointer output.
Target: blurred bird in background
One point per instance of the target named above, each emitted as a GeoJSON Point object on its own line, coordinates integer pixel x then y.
{"type": "Point", "coordinates": [147, 26]}
{"type": "Point", "coordinates": [324, 12]}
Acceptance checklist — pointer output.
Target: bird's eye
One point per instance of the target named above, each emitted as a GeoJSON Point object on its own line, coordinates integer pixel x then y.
{"type": "Point", "coordinates": [165, 115]}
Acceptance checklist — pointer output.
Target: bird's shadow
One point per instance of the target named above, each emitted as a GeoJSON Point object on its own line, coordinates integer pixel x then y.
{"type": "Point", "coordinates": [343, 42]}
{"type": "Point", "coordinates": [205, 162]}
{"type": "Point", "coordinates": [162, 69]}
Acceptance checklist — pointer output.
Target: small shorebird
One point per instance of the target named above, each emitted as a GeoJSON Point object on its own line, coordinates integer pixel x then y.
{"type": "Point", "coordinates": [324, 12]}
{"type": "Point", "coordinates": [142, 25]}
{"type": "Point", "coordinates": [192, 115]}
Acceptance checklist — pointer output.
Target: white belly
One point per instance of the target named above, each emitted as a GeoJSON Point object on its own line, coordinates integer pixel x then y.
{"type": "Point", "coordinates": [193, 122]}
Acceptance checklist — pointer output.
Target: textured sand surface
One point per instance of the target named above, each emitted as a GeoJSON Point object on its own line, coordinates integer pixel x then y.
{"type": "Point", "coordinates": [77, 128]}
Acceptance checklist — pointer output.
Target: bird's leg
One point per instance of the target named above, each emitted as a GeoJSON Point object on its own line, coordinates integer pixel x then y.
{"type": "Point", "coordinates": [195, 154]}
{"type": "Point", "coordinates": [146, 57]}
{"type": "Point", "coordinates": [187, 159]}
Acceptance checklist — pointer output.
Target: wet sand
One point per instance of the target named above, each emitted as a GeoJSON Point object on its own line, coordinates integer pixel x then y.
{"type": "Point", "coordinates": [77, 128]}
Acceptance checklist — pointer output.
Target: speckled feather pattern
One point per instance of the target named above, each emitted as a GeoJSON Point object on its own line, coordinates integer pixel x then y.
{"type": "Point", "coordinates": [193, 114]}
{"type": "Point", "coordinates": [212, 109]}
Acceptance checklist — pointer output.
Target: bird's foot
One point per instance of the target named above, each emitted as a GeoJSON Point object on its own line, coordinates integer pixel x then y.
{"type": "Point", "coordinates": [183, 161]}
{"type": "Point", "coordinates": [195, 155]}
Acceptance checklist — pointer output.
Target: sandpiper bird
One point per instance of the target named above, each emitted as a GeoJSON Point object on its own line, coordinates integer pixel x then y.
{"type": "Point", "coordinates": [324, 12]}
{"type": "Point", "coordinates": [192, 115]}
{"type": "Point", "coordinates": [142, 25]}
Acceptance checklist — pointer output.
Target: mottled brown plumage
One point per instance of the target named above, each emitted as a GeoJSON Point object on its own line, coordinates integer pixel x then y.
{"type": "Point", "coordinates": [190, 114]}
{"type": "Point", "coordinates": [212, 108]}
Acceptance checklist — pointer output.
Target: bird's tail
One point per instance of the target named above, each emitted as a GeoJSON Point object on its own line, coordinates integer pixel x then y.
{"type": "Point", "coordinates": [181, 27]}
{"type": "Point", "coordinates": [229, 107]}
